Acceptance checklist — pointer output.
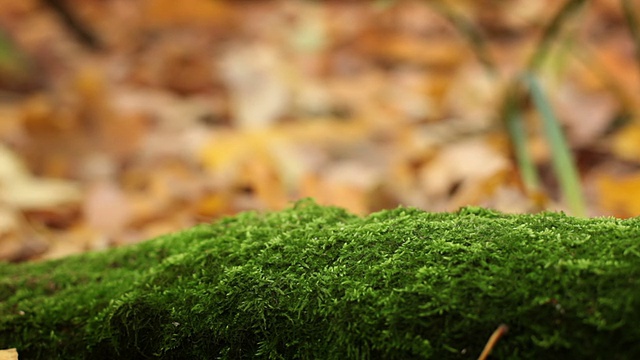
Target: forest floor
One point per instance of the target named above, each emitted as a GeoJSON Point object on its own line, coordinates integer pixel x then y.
{"type": "Point", "coordinates": [126, 119]}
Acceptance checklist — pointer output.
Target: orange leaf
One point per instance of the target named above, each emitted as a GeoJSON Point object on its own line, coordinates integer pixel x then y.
{"type": "Point", "coordinates": [186, 12]}
{"type": "Point", "coordinates": [619, 195]}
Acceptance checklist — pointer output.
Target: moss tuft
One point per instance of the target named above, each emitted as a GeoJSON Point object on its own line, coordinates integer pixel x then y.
{"type": "Point", "coordinates": [315, 282]}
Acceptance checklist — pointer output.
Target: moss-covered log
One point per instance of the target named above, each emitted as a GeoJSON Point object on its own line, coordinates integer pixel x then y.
{"type": "Point", "coordinates": [316, 282]}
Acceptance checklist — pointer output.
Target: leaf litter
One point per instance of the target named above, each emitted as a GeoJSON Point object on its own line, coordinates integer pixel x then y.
{"type": "Point", "coordinates": [195, 110]}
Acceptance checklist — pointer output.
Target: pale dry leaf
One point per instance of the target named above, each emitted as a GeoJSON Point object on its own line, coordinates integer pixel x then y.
{"type": "Point", "coordinates": [309, 35]}
{"type": "Point", "coordinates": [9, 220]}
{"type": "Point", "coordinates": [257, 80]}
{"type": "Point", "coordinates": [474, 95]}
{"type": "Point", "coordinates": [162, 119]}
{"type": "Point", "coordinates": [78, 239]}
{"type": "Point", "coordinates": [352, 198]}
{"type": "Point", "coordinates": [312, 97]}
{"type": "Point", "coordinates": [349, 196]}
{"type": "Point", "coordinates": [20, 190]}
{"type": "Point", "coordinates": [466, 161]}
{"type": "Point", "coordinates": [21, 244]}
{"type": "Point", "coordinates": [68, 245]}
{"type": "Point", "coordinates": [409, 94]}
{"type": "Point", "coordinates": [169, 111]}
{"type": "Point", "coordinates": [586, 114]}
{"type": "Point", "coordinates": [32, 193]}
{"type": "Point", "coordinates": [9, 354]}
{"type": "Point", "coordinates": [354, 173]}
{"type": "Point", "coordinates": [106, 208]}
{"type": "Point", "coordinates": [262, 177]}
{"type": "Point", "coordinates": [349, 184]}
{"type": "Point", "coordinates": [11, 167]}
{"type": "Point", "coordinates": [159, 197]}
{"type": "Point", "coordinates": [511, 200]}
{"type": "Point", "coordinates": [293, 161]}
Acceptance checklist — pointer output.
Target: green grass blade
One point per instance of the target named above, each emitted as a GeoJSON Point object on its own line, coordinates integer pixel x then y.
{"type": "Point", "coordinates": [551, 32]}
{"type": "Point", "coordinates": [562, 159]}
{"type": "Point", "coordinates": [515, 128]}
{"type": "Point", "coordinates": [470, 32]}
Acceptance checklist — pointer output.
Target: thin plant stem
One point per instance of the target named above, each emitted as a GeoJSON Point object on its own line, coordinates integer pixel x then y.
{"type": "Point", "coordinates": [470, 32]}
{"type": "Point", "coordinates": [562, 159]}
{"type": "Point", "coordinates": [515, 127]}
{"type": "Point", "coordinates": [551, 32]}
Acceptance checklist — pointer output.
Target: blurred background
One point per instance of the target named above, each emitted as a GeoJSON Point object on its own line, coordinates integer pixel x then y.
{"type": "Point", "coordinates": [121, 120]}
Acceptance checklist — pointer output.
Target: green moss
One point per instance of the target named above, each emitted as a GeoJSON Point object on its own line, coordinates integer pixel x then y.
{"type": "Point", "coordinates": [315, 282]}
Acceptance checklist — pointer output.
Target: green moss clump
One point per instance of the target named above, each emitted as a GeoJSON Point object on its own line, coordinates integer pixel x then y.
{"type": "Point", "coordinates": [315, 282]}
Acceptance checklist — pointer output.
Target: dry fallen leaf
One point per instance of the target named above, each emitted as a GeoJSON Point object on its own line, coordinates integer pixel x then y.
{"type": "Point", "coordinates": [465, 165]}
{"type": "Point", "coordinates": [626, 143]}
{"type": "Point", "coordinates": [161, 13]}
{"type": "Point", "coordinates": [199, 109]}
{"type": "Point", "coordinates": [585, 114]}
{"type": "Point", "coordinates": [257, 78]}
{"type": "Point", "coordinates": [32, 193]}
{"type": "Point", "coordinates": [9, 354]}
{"type": "Point", "coordinates": [106, 208]}
{"type": "Point", "coordinates": [20, 190]}
{"type": "Point", "coordinates": [619, 194]}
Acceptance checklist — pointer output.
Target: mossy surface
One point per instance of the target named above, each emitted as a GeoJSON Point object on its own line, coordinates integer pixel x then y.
{"type": "Point", "coordinates": [315, 282]}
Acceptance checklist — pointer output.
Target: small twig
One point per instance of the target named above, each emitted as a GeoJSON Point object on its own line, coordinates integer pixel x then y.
{"type": "Point", "coordinates": [79, 29]}
{"type": "Point", "coordinates": [562, 158]}
{"type": "Point", "coordinates": [513, 119]}
{"type": "Point", "coordinates": [501, 330]}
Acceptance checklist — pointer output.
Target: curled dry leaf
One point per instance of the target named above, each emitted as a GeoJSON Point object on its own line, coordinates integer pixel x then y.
{"type": "Point", "coordinates": [22, 191]}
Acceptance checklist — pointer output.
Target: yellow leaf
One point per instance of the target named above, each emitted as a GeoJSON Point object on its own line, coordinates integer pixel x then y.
{"type": "Point", "coordinates": [9, 354]}
{"type": "Point", "coordinates": [626, 143]}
